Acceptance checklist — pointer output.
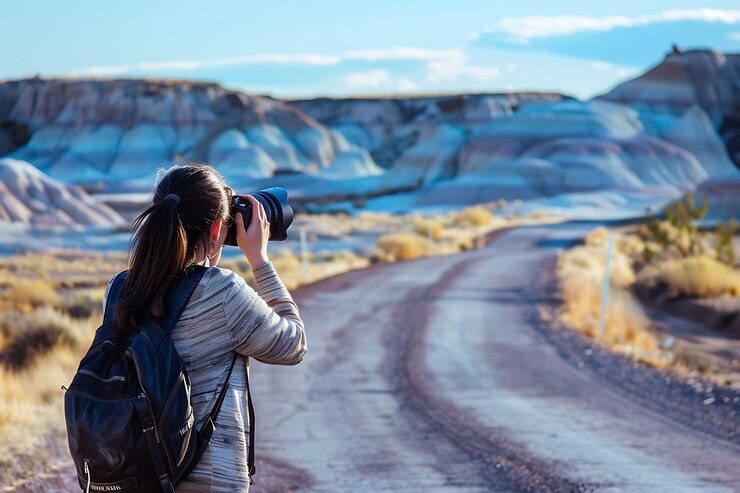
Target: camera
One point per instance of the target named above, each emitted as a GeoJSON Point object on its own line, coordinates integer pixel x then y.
{"type": "Point", "coordinates": [279, 213]}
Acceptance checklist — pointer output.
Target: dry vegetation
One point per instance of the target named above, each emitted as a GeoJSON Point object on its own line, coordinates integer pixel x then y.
{"type": "Point", "coordinates": [417, 236]}
{"type": "Point", "coordinates": [581, 271]}
{"type": "Point", "coordinates": [670, 256]}
{"type": "Point", "coordinates": [702, 276]}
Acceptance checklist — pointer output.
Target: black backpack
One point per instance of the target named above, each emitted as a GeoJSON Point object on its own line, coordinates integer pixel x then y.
{"type": "Point", "coordinates": [129, 417]}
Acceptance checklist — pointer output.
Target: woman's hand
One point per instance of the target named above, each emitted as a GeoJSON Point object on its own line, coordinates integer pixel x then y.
{"type": "Point", "coordinates": [252, 241]}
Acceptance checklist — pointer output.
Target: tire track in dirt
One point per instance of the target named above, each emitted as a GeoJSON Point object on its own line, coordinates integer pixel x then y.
{"type": "Point", "coordinates": [507, 466]}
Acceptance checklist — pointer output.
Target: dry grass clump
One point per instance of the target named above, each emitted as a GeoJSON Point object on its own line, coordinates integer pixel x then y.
{"type": "Point", "coordinates": [40, 353]}
{"type": "Point", "coordinates": [701, 276]}
{"type": "Point", "coordinates": [85, 303]}
{"type": "Point", "coordinates": [474, 216]}
{"type": "Point", "coordinates": [289, 268]}
{"type": "Point", "coordinates": [405, 246]}
{"type": "Point", "coordinates": [26, 294]}
{"type": "Point", "coordinates": [428, 227]}
{"type": "Point", "coordinates": [580, 272]}
{"type": "Point", "coordinates": [25, 337]}
{"type": "Point", "coordinates": [64, 268]}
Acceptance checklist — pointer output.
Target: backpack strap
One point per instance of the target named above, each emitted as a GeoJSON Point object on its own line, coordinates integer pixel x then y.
{"type": "Point", "coordinates": [114, 294]}
{"type": "Point", "coordinates": [176, 298]}
{"type": "Point", "coordinates": [250, 459]}
{"type": "Point", "coordinates": [209, 426]}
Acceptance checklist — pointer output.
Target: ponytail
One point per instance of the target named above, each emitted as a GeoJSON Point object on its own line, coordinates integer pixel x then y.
{"type": "Point", "coordinates": [165, 238]}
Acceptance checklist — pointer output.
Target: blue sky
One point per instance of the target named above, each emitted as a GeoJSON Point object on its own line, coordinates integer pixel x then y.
{"type": "Point", "coordinates": [340, 48]}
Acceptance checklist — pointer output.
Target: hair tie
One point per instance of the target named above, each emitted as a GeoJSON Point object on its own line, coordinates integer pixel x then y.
{"type": "Point", "coordinates": [173, 196]}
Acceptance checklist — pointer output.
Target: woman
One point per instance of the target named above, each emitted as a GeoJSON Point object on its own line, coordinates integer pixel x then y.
{"type": "Point", "coordinates": [187, 224]}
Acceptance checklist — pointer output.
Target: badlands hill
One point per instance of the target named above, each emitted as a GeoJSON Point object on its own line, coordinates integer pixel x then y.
{"type": "Point", "coordinates": [684, 81]}
{"type": "Point", "coordinates": [86, 131]}
{"type": "Point", "coordinates": [29, 196]}
{"type": "Point", "coordinates": [670, 128]}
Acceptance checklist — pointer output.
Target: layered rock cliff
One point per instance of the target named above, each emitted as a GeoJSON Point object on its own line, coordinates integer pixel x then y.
{"type": "Point", "coordinates": [94, 130]}
{"type": "Point", "coordinates": [671, 127]}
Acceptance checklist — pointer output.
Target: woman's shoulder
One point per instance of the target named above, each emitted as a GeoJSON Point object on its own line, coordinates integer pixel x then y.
{"type": "Point", "coordinates": [220, 279]}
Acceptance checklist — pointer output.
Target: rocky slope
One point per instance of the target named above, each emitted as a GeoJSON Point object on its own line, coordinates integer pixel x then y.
{"type": "Point", "coordinates": [95, 130]}
{"type": "Point", "coordinates": [387, 127]}
{"type": "Point", "coordinates": [661, 129]}
{"type": "Point", "coordinates": [696, 78]}
{"type": "Point", "coordinates": [28, 196]}
{"type": "Point", "coordinates": [668, 128]}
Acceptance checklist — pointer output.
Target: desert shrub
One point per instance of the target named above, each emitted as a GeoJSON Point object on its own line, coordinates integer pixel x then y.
{"type": "Point", "coordinates": [701, 276]}
{"type": "Point", "coordinates": [290, 268]}
{"type": "Point", "coordinates": [28, 336]}
{"type": "Point", "coordinates": [428, 227]}
{"type": "Point", "coordinates": [405, 246]}
{"type": "Point", "coordinates": [342, 256]}
{"type": "Point", "coordinates": [725, 236]}
{"type": "Point", "coordinates": [85, 304]}
{"type": "Point", "coordinates": [678, 235]}
{"type": "Point", "coordinates": [474, 216]}
{"type": "Point", "coordinates": [31, 404]}
{"type": "Point", "coordinates": [682, 215]}
{"type": "Point", "coordinates": [27, 294]}
{"type": "Point", "coordinates": [581, 272]}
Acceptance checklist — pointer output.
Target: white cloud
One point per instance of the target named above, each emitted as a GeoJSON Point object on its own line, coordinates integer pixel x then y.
{"type": "Point", "coordinates": [404, 84]}
{"type": "Point", "coordinates": [619, 70]}
{"type": "Point", "coordinates": [372, 78]}
{"type": "Point", "coordinates": [370, 55]}
{"type": "Point", "coordinates": [397, 53]}
{"type": "Point", "coordinates": [454, 66]}
{"type": "Point", "coordinates": [442, 65]}
{"type": "Point", "coordinates": [521, 29]}
{"type": "Point", "coordinates": [294, 59]}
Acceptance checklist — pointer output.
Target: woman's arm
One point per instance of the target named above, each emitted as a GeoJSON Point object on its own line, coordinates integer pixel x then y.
{"type": "Point", "coordinates": [265, 324]}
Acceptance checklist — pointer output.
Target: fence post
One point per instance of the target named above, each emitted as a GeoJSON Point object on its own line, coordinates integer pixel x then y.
{"type": "Point", "coordinates": [605, 289]}
{"type": "Point", "coordinates": [304, 254]}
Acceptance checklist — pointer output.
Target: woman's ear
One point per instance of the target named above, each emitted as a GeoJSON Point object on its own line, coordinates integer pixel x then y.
{"type": "Point", "coordinates": [216, 230]}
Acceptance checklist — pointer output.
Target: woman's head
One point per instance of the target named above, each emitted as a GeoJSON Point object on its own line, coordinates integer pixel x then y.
{"type": "Point", "coordinates": [170, 235]}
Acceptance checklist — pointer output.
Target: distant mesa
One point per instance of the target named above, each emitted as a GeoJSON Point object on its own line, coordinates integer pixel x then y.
{"type": "Point", "coordinates": [676, 126]}
{"type": "Point", "coordinates": [30, 197]}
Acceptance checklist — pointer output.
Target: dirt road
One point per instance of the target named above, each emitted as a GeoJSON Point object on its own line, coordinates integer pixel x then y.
{"type": "Point", "coordinates": [430, 376]}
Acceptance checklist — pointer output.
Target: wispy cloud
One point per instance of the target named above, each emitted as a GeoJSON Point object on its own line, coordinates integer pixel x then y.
{"type": "Point", "coordinates": [443, 65]}
{"type": "Point", "coordinates": [522, 29]}
{"type": "Point", "coordinates": [627, 41]}
{"type": "Point", "coordinates": [404, 84]}
{"type": "Point", "coordinates": [367, 55]}
{"type": "Point", "coordinates": [455, 66]}
{"type": "Point", "coordinates": [181, 65]}
{"type": "Point", "coordinates": [372, 78]}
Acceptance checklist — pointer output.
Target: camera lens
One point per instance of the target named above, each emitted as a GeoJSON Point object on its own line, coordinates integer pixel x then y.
{"type": "Point", "coordinates": [278, 211]}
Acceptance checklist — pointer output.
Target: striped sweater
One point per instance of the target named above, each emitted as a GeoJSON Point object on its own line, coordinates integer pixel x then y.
{"type": "Point", "coordinates": [225, 315]}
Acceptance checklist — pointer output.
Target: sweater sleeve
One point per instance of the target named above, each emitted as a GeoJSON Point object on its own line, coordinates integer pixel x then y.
{"type": "Point", "coordinates": [265, 324]}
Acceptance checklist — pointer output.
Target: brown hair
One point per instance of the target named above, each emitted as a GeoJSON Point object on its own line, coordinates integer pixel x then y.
{"type": "Point", "coordinates": [166, 236]}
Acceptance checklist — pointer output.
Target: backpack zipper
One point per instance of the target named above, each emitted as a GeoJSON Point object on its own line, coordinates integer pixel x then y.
{"type": "Point", "coordinates": [87, 473]}
{"type": "Point", "coordinates": [114, 378]}
{"type": "Point", "coordinates": [131, 355]}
